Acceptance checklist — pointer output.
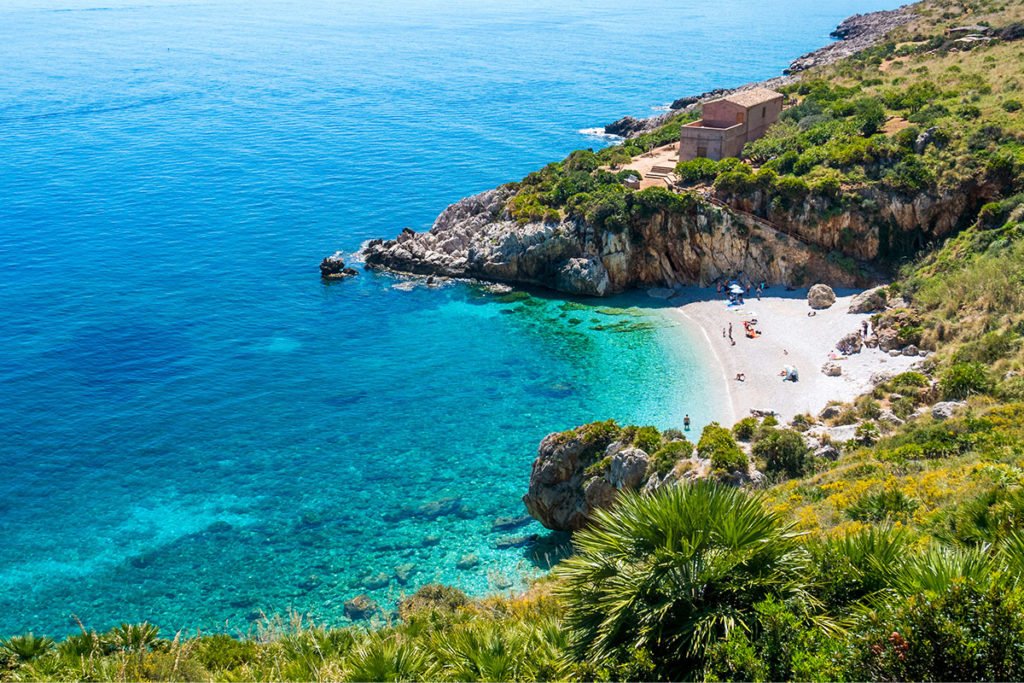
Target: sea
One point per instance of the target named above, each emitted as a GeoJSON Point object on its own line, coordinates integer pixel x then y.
{"type": "Point", "coordinates": [198, 432]}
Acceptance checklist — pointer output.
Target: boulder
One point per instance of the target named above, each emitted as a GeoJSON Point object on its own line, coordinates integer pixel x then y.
{"type": "Point", "coordinates": [827, 452]}
{"type": "Point", "coordinates": [583, 276]}
{"type": "Point", "coordinates": [333, 268]}
{"type": "Point", "coordinates": [888, 339]}
{"type": "Point", "coordinates": [910, 350]}
{"type": "Point", "coordinates": [869, 301]}
{"type": "Point", "coordinates": [629, 466]}
{"type": "Point", "coordinates": [945, 409]}
{"type": "Point", "coordinates": [889, 417]}
{"type": "Point", "coordinates": [850, 344]}
{"type": "Point", "coordinates": [820, 296]}
{"type": "Point", "coordinates": [361, 607]}
{"type": "Point", "coordinates": [564, 489]}
{"type": "Point", "coordinates": [828, 412]}
{"type": "Point", "coordinates": [831, 369]}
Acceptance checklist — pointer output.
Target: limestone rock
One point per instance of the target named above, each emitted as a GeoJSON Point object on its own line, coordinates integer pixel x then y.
{"type": "Point", "coordinates": [562, 494]}
{"type": "Point", "coordinates": [910, 350]}
{"type": "Point", "coordinates": [628, 468]}
{"type": "Point", "coordinates": [376, 581]}
{"type": "Point", "coordinates": [889, 417]}
{"type": "Point", "coordinates": [333, 268]}
{"type": "Point", "coordinates": [831, 369]}
{"type": "Point", "coordinates": [829, 412]}
{"type": "Point", "coordinates": [827, 452]}
{"type": "Point", "coordinates": [850, 344]}
{"type": "Point", "coordinates": [361, 607]}
{"type": "Point", "coordinates": [869, 301]}
{"type": "Point", "coordinates": [946, 409]}
{"type": "Point", "coordinates": [586, 276]}
{"type": "Point", "coordinates": [820, 296]}
{"type": "Point", "coordinates": [467, 562]}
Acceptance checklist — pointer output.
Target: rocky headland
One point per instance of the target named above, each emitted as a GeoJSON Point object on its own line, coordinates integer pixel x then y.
{"type": "Point", "coordinates": [848, 235]}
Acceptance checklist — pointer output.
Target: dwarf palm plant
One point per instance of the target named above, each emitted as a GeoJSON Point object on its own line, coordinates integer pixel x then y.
{"type": "Point", "coordinates": [27, 647]}
{"type": "Point", "coordinates": [673, 572]}
{"type": "Point", "coordinates": [134, 637]}
{"type": "Point", "coordinates": [385, 657]}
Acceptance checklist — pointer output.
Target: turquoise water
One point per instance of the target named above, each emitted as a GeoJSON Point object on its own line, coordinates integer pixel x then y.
{"type": "Point", "coordinates": [195, 429]}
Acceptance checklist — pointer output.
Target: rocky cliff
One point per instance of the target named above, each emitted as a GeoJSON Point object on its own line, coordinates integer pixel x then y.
{"type": "Point", "coordinates": [714, 237]}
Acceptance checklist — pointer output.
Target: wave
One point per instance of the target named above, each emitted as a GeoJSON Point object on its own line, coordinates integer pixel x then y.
{"type": "Point", "coordinates": [598, 133]}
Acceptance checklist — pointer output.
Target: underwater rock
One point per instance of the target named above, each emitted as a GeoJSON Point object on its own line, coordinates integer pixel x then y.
{"type": "Point", "coordinates": [467, 562]}
{"type": "Point", "coordinates": [404, 572]}
{"type": "Point", "coordinates": [376, 581]}
{"type": "Point", "coordinates": [510, 523]}
{"type": "Point", "coordinates": [361, 607]}
{"type": "Point", "coordinates": [430, 541]}
{"type": "Point", "coordinates": [515, 541]}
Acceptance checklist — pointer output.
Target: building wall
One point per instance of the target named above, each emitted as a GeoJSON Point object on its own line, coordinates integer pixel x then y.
{"type": "Point", "coordinates": [760, 117]}
{"type": "Point", "coordinates": [713, 143]}
{"type": "Point", "coordinates": [723, 114]}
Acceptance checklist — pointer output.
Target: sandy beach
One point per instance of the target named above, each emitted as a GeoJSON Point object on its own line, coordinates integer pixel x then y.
{"type": "Point", "coordinates": [789, 336]}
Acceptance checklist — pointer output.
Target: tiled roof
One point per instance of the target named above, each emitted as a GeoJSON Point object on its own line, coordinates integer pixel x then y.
{"type": "Point", "coordinates": [752, 97]}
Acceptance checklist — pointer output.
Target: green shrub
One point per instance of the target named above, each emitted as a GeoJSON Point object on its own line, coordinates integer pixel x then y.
{"type": "Point", "coordinates": [647, 439]}
{"type": "Point", "coordinates": [963, 633]}
{"type": "Point", "coordinates": [784, 452]}
{"type": "Point", "coordinates": [665, 458]}
{"type": "Point", "coordinates": [965, 379]}
{"type": "Point", "coordinates": [717, 445]}
{"type": "Point", "coordinates": [744, 429]}
{"type": "Point", "coordinates": [698, 170]}
{"type": "Point", "coordinates": [1011, 105]}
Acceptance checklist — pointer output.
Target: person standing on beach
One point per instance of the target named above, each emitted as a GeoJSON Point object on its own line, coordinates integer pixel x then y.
{"type": "Point", "coordinates": [730, 330]}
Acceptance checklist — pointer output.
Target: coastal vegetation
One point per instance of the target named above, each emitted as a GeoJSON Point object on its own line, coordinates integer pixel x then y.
{"type": "Point", "coordinates": [895, 554]}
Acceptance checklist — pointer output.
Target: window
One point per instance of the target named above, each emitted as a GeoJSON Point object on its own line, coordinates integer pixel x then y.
{"type": "Point", "coordinates": [739, 117]}
{"type": "Point", "coordinates": [763, 111]}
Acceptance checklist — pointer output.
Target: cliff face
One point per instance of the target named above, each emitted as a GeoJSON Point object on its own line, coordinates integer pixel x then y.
{"type": "Point", "coordinates": [477, 238]}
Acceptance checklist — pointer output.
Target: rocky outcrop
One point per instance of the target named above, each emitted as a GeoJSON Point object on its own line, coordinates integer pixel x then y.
{"type": "Point", "coordinates": [820, 296]}
{"type": "Point", "coordinates": [830, 369]}
{"type": "Point", "coordinates": [333, 268]}
{"type": "Point", "coordinates": [854, 34]}
{"type": "Point", "coordinates": [870, 301]}
{"type": "Point", "coordinates": [477, 238]}
{"type": "Point", "coordinates": [850, 344]}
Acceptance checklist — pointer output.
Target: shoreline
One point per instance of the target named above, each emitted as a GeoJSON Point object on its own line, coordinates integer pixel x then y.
{"type": "Point", "coordinates": [789, 337]}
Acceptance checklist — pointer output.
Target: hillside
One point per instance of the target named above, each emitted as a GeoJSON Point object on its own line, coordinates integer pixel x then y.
{"type": "Point", "coordinates": [876, 157]}
{"type": "Point", "coordinates": [879, 540]}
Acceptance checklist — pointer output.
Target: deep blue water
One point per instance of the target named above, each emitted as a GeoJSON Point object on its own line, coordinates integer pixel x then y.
{"type": "Point", "coordinates": [193, 428]}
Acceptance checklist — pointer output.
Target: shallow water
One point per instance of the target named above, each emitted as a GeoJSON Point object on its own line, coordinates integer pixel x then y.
{"type": "Point", "coordinates": [193, 428]}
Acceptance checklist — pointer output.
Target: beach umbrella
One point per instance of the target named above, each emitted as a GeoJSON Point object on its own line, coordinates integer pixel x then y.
{"type": "Point", "coordinates": [736, 289]}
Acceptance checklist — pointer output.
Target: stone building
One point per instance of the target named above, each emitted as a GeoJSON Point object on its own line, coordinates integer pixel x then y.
{"type": "Point", "coordinates": [729, 123]}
